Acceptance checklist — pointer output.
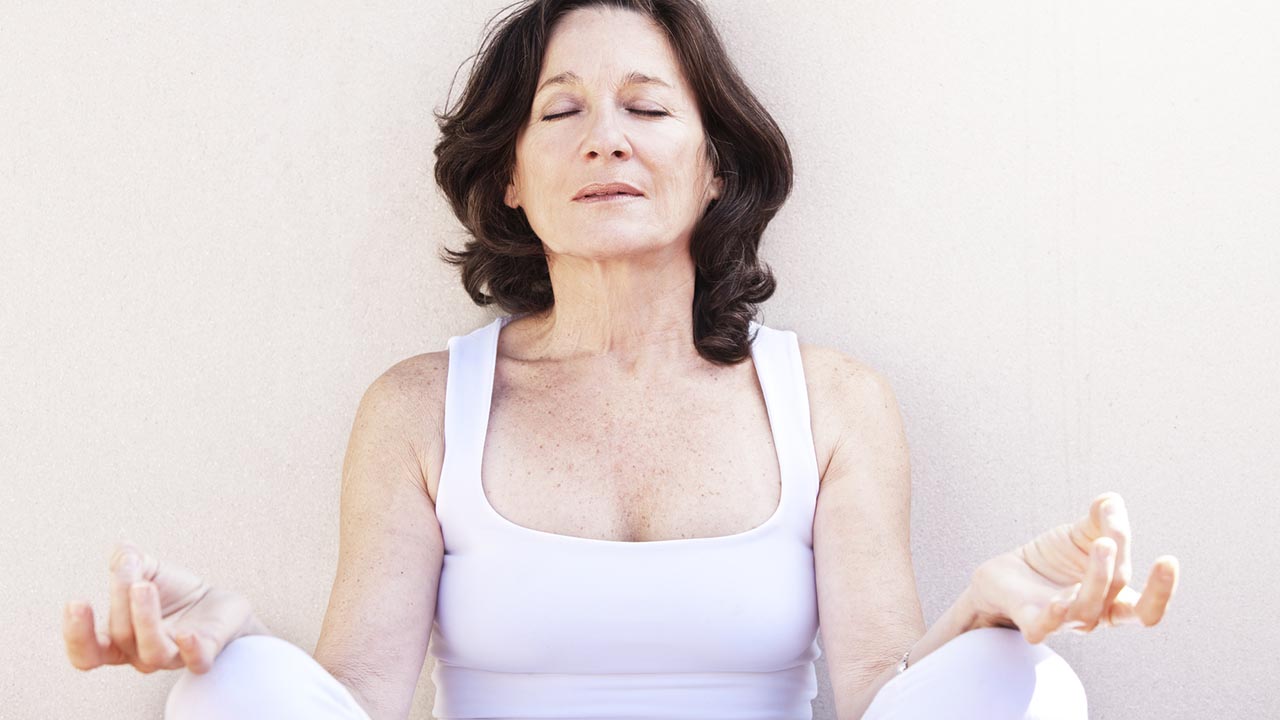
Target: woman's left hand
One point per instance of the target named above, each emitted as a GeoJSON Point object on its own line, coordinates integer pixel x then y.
{"type": "Point", "coordinates": [1074, 576]}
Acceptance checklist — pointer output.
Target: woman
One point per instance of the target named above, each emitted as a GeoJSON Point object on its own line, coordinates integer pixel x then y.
{"type": "Point", "coordinates": [671, 500]}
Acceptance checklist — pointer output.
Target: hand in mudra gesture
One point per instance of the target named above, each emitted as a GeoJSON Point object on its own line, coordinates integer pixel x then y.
{"type": "Point", "coordinates": [174, 619]}
{"type": "Point", "coordinates": [1072, 577]}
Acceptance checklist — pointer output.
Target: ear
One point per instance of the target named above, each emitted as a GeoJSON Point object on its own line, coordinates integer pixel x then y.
{"type": "Point", "coordinates": [510, 199]}
{"type": "Point", "coordinates": [717, 186]}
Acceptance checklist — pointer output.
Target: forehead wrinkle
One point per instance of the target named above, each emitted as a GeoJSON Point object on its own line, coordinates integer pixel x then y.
{"type": "Point", "coordinates": [634, 77]}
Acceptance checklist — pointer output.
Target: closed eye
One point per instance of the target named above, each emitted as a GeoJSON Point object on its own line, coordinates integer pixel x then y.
{"type": "Point", "coordinates": [650, 113]}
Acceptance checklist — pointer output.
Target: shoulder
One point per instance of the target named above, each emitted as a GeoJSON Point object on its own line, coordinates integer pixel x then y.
{"type": "Point", "coordinates": [845, 394]}
{"type": "Point", "coordinates": [412, 385]}
{"type": "Point", "coordinates": [839, 374]}
{"type": "Point", "coordinates": [407, 399]}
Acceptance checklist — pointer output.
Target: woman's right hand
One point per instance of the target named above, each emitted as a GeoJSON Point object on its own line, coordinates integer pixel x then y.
{"type": "Point", "coordinates": [149, 627]}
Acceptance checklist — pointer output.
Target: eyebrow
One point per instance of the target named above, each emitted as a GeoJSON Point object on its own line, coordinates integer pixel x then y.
{"type": "Point", "coordinates": [633, 78]}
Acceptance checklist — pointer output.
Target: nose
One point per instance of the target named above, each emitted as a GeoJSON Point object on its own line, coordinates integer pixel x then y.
{"type": "Point", "coordinates": [605, 136]}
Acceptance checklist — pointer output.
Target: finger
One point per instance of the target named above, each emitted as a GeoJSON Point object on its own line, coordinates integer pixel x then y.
{"type": "Point", "coordinates": [1085, 612]}
{"type": "Point", "coordinates": [1161, 585]}
{"type": "Point", "coordinates": [82, 646]}
{"type": "Point", "coordinates": [197, 651]}
{"type": "Point", "coordinates": [1039, 622]}
{"type": "Point", "coordinates": [124, 571]}
{"type": "Point", "coordinates": [1113, 517]}
{"type": "Point", "coordinates": [1123, 610]}
{"type": "Point", "coordinates": [155, 648]}
{"type": "Point", "coordinates": [1107, 517]}
{"type": "Point", "coordinates": [1153, 600]}
{"type": "Point", "coordinates": [147, 565]}
{"type": "Point", "coordinates": [85, 648]}
{"type": "Point", "coordinates": [176, 585]}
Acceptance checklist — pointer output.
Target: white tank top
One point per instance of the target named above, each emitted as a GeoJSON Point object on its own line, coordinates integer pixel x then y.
{"type": "Point", "coordinates": [533, 624]}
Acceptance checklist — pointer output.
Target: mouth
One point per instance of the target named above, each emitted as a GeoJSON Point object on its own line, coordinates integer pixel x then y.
{"type": "Point", "coordinates": [609, 198]}
{"type": "Point", "coordinates": [607, 191]}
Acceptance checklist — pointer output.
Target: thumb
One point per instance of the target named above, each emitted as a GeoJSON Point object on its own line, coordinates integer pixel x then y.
{"type": "Point", "coordinates": [1037, 621]}
{"type": "Point", "coordinates": [199, 648]}
{"type": "Point", "coordinates": [201, 642]}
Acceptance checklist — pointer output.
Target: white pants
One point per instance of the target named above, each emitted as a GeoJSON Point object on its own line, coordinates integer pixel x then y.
{"type": "Point", "coordinates": [987, 674]}
{"type": "Point", "coordinates": [261, 676]}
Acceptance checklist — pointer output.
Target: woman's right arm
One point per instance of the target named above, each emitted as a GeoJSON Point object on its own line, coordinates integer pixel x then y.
{"type": "Point", "coordinates": [382, 605]}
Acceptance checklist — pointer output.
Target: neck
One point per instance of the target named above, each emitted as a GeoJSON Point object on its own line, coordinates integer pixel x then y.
{"type": "Point", "coordinates": [628, 315]}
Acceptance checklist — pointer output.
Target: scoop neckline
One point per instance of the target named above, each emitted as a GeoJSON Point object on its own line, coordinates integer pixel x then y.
{"type": "Point", "coordinates": [783, 479]}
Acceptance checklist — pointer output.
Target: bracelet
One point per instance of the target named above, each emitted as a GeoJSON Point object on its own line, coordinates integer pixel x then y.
{"type": "Point", "coordinates": [902, 664]}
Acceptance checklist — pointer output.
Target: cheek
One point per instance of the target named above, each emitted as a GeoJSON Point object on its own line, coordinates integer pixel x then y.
{"type": "Point", "coordinates": [686, 180]}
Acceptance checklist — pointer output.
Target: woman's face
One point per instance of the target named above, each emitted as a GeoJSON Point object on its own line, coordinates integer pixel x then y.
{"type": "Point", "coordinates": [608, 127]}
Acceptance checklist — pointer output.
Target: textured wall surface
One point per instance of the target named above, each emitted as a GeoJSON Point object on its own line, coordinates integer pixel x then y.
{"type": "Point", "coordinates": [1053, 226]}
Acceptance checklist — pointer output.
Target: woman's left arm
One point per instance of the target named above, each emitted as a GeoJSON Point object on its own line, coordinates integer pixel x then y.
{"type": "Point", "coordinates": [869, 608]}
{"type": "Point", "coordinates": [1070, 577]}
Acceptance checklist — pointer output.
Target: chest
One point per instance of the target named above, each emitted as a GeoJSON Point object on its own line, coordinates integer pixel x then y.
{"type": "Point", "coordinates": [631, 461]}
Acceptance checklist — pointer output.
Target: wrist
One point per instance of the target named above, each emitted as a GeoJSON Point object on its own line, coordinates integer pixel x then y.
{"type": "Point", "coordinates": [976, 614]}
{"type": "Point", "coordinates": [967, 610]}
{"type": "Point", "coordinates": [958, 619]}
{"type": "Point", "coordinates": [253, 626]}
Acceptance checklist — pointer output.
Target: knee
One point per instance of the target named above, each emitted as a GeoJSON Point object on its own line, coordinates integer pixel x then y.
{"type": "Point", "coordinates": [1036, 682]}
{"type": "Point", "coordinates": [236, 685]}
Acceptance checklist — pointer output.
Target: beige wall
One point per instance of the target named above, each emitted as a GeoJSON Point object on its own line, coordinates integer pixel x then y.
{"type": "Point", "coordinates": [1053, 226]}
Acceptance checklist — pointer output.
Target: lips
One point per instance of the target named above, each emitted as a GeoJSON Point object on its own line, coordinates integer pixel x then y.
{"type": "Point", "coordinates": [611, 188]}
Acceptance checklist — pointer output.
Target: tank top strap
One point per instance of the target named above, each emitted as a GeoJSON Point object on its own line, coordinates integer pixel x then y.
{"type": "Point", "coordinates": [468, 388]}
{"type": "Point", "coordinates": [778, 363]}
{"type": "Point", "coordinates": [468, 394]}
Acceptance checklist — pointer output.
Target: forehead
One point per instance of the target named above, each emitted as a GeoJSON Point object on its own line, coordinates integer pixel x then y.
{"type": "Point", "coordinates": [610, 45]}
{"type": "Point", "coordinates": [635, 77]}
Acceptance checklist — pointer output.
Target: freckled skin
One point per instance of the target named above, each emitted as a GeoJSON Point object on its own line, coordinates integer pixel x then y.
{"type": "Point", "coordinates": [672, 464]}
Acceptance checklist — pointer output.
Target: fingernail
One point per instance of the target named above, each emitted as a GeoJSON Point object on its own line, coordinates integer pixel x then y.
{"type": "Point", "coordinates": [75, 609]}
{"type": "Point", "coordinates": [139, 590]}
{"type": "Point", "coordinates": [128, 564]}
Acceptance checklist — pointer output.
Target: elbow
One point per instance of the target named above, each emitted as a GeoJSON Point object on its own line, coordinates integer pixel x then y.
{"type": "Point", "coordinates": [374, 706]}
{"type": "Point", "coordinates": [859, 689]}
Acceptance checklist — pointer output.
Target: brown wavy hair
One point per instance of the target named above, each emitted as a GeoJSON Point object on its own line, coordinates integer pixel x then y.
{"type": "Point", "coordinates": [505, 262]}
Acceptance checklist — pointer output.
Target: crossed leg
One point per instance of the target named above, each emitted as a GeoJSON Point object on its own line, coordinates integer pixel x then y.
{"type": "Point", "coordinates": [984, 674]}
{"type": "Point", "coordinates": [261, 676]}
